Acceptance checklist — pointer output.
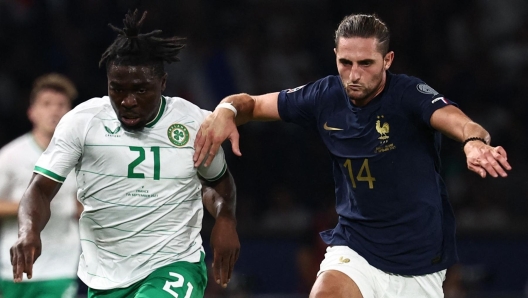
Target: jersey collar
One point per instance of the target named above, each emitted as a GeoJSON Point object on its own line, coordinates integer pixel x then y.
{"type": "Point", "coordinates": [160, 113]}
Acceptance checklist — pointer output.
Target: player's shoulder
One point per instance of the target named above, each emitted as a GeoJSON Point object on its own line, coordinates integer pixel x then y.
{"type": "Point", "coordinates": [411, 90]}
{"type": "Point", "coordinates": [92, 105]}
{"type": "Point", "coordinates": [329, 89]}
{"type": "Point", "coordinates": [181, 104]}
{"type": "Point", "coordinates": [319, 90]}
{"type": "Point", "coordinates": [403, 82]}
{"type": "Point", "coordinates": [332, 80]}
{"type": "Point", "coordinates": [88, 110]}
{"type": "Point", "coordinates": [178, 106]}
{"type": "Point", "coordinates": [329, 82]}
{"type": "Point", "coordinates": [18, 145]}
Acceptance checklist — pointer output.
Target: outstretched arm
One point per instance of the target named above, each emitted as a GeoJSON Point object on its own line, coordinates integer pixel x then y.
{"type": "Point", "coordinates": [222, 123]}
{"type": "Point", "coordinates": [480, 156]}
{"type": "Point", "coordinates": [219, 198]}
{"type": "Point", "coordinates": [33, 214]}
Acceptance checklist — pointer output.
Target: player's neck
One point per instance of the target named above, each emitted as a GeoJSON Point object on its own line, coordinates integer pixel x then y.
{"type": "Point", "coordinates": [41, 138]}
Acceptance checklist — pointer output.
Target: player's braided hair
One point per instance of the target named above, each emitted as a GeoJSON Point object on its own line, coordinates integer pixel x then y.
{"type": "Point", "coordinates": [132, 48]}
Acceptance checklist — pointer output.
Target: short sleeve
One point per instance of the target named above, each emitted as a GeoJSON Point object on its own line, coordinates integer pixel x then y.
{"type": "Point", "coordinates": [216, 169]}
{"type": "Point", "coordinates": [65, 148]}
{"type": "Point", "coordinates": [299, 105]}
{"type": "Point", "coordinates": [423, 101]}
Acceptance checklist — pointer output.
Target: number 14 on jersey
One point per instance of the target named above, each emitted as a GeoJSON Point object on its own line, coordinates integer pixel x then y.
{"type": "Point", "coordinates": [363, 174]}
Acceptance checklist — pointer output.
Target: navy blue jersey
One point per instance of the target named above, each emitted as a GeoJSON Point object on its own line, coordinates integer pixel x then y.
{"type": "Point", "coordinates": [390, 198]}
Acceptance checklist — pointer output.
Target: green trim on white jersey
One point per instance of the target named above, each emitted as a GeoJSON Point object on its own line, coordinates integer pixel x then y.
{"type": "Point", "coordinates": [218, 176]}
{"type": "Point", "coordinates": [49, 174]}
{"type": "Point", "coordinates": [160, 113]}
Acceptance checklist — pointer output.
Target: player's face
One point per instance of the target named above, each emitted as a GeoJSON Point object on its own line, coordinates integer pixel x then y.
{"type": "Point", "coordinates": [135, 93]}
{"type": "Point", "coordinates": [362, 67]}
{"type": "Point", "coordinates": [47, 109]}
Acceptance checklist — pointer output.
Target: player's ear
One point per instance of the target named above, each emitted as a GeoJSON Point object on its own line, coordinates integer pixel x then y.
{"type": "Point", "coordinates": [387, 60]}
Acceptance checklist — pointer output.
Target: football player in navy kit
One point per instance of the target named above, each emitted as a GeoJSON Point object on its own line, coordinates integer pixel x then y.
{"type": "Point", "coordinates": [396, 231]}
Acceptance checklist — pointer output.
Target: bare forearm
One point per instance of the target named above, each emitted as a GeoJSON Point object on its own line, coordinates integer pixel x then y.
{"type": "Point", "coordinates": [220, 198]}
{"type": "Point", "coordinates": [226, 207]}
{"type": "Point", "coordinates": [8, 209]}
{"type": "Point", "coordinates": [218, 206]}
{"type": "Point", "coordinates": [481, 158]}
{"type": "Point", "coordinates": [34, 212]}
{"type": "Point", "coordinates": [474, 130]}
{"type": "Point", "coordinates": [254, 107]}
{"type": "Point", "coordinates": [453, 123]}
{"type": "Point", "coordinates": [244, 104]}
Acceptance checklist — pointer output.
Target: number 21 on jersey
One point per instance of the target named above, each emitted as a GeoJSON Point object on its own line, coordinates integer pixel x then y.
{"type": "Point", "coordinates": [363, 174]}
{"type": "Point", "coordinates": [155, 151]}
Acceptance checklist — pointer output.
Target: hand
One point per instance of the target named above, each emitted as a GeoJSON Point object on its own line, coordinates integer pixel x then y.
{"type": "Point", "coordinates": [23, 254]}
{"type": "Point", "coordinates": [216, 128]}
{"type": "Point", "coordinates": [226, 247]}
{"type": "Point", "coordinates": [482, 159]}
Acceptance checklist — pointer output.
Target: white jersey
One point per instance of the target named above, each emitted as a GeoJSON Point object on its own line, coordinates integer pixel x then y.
{"type": "Point", "coordinates": [140, 190]}
{"type": "Point", "coordinates": [60, 237]}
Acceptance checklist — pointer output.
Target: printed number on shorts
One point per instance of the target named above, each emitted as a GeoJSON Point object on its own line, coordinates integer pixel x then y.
{"type": "Point", "coordinates": [363, 175]}
{"type": "Point", "coordinates": [155, 151]}
{"type": "Point", "coordinates": [177, 284]}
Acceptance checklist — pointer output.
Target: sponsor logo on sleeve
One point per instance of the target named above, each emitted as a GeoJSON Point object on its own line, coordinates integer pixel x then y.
{"type": "Point", "coordinates": [294, 89]}
{"type": "Point", "coordinates": [425, 89]}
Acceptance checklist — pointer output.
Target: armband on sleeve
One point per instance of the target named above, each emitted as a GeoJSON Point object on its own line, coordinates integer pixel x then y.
{"type": "Point", "coordinates": [216, 169]}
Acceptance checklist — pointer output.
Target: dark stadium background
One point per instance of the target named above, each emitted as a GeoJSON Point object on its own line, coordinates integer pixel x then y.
{"type": "Point", "coordinates": [475, 52]}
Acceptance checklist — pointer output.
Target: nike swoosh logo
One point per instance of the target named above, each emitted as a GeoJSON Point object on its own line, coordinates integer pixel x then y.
{"type": "Point", "coordinates": [326, 127]}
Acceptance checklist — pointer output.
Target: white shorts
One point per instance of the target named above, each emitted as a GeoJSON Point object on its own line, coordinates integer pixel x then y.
{"type": "Point", "coordinates": [374, 283]}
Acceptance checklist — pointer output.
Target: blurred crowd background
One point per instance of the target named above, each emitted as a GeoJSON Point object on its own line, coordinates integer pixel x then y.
{"type": "Point", "coordinates": [475, 52]}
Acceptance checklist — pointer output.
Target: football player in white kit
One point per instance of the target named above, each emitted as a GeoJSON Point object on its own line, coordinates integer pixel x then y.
{"type": "Point", "coordinates": [55, 270]}
{"type": "Point", "coordinates": [132, 152]}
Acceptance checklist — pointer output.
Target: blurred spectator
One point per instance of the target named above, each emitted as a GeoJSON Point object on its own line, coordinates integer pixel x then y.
{"type": "Point", "coordinates": [55, 270]}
